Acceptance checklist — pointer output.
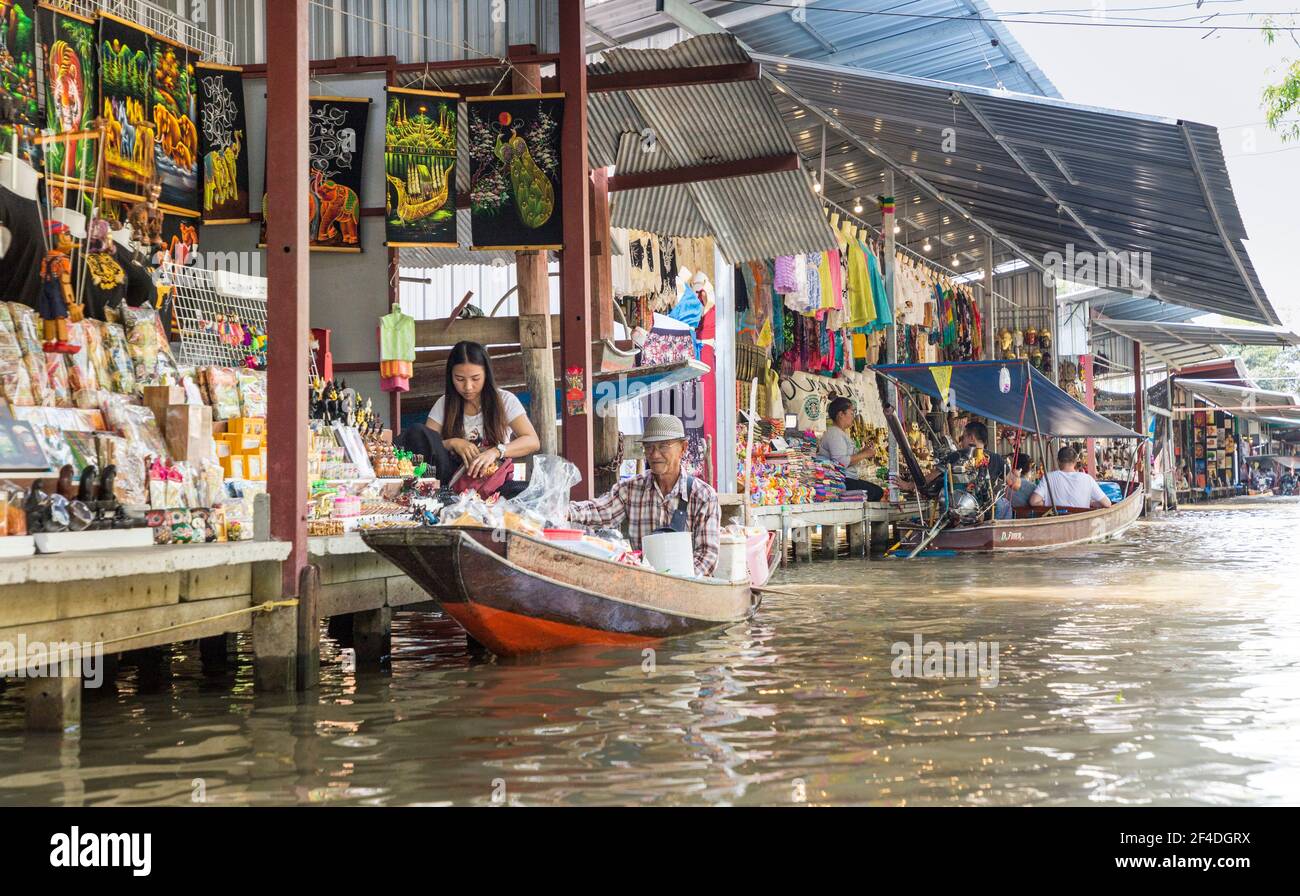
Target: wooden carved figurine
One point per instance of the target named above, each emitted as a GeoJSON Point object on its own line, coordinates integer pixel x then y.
{"type": "Point", "coordinates": [57, 300]}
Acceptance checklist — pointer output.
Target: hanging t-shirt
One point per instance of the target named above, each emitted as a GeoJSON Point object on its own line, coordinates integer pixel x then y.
{"type": "Point", "coordinates": [20, 269]}
{"type": "Point", "coordinates": [105, 283]}
{"type": "Point", "coordinates": [474, 431]}
{"type": "Point", "coordinates": [397, 337]}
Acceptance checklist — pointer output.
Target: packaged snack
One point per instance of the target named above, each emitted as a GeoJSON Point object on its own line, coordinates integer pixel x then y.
{"type": "Point", "coordinates": [129, 485]}
{"type": "Point", "coordinates": [252, 392]}
{"type": "Point", "coordinates": [15, 381]}
{"type": "Point", "coordinates": [27, 333]}
{"type": "Point", "coordinates": [81, 371]}
{"type": "Point", "coordinates": [223, 392]}
{"type": "Point", "coordinates": [95, 355]}
{"type": "Point", "coordinates": [56, 370]}
{"type": "Point", "coordinates": [121, 373]}
{"type": "Point", "coordinates": [137, 423]}
{"type": "Point", "coordinates": [150, 353]}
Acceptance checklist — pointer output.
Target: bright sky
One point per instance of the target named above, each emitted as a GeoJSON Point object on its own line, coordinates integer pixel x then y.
{"type": "Point", "coordinates": [1177, 74]}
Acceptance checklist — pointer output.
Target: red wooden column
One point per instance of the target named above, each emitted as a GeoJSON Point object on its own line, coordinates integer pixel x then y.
{"type": "Point", "coordinates": [575, 304]}
{"type": "Point", "coordinates": [1085, 368]}
{"type": "Point", "coordinates": [1139, 408]}
{"type": "Point", "coordinates": [288, 277]}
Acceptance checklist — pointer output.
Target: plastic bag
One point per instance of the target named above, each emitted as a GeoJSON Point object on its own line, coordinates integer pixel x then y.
{"type": "Point", "coordinates": [252, 392]}
{"type": "Point", "coordinates": [223, 391]}
{"type": "Point", "coordinates": [470, 510]}
{"type": "Point", "coordinates": [27, 332]}
{"type": "Point", "coordinates": [547, 494]}
{"type": "Point", "coordinates": [150, 351]}
{"type": "Point", "coordinates": [121, 372]}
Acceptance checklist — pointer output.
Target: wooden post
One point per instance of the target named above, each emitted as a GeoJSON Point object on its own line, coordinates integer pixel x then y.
{"type": "Point", "coordinates": [535, 336]}
{"type": "Point", "coordinates": [857, 539]}
{"type": "Point", "coordinates": [54, 704]}
{"type": "Point", "coordinates": [372, 636]}
{"type": "Point", "coordinates": [605, 426]}
{"type": "Point", "coordinates": [1140, 414]}
{"type": "Point", "coordinates": [830, 541]}
{"type": "Point", "coordinates": [288, 279]}
{"type": "Point", "coordinates": [575, 303]}
{"type": "Point", "coordinates": [891, 334]}
{"type": "Point", "coordinates": [275, 634]}
{"type": "Point", "coordinates": [308, 633]}
{"type": "Point", "coordinates": [1085, 371]}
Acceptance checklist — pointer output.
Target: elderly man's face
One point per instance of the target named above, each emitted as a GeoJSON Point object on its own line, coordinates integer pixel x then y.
{"type": "Point", "coordinates": [665, 458]}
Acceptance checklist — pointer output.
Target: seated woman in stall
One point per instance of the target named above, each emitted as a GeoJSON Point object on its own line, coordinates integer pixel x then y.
{"type": "Point", "coordinates": [474, 425]}
{"type": "Point", "coordinates": [837, 445]}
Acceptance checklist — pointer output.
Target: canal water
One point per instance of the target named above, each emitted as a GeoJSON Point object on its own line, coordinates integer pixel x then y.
{"type": "Point", "coordinates": [1163, 668]}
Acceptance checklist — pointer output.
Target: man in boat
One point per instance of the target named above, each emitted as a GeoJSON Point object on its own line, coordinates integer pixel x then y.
{"type": "Point", "coordinates": [975, 436]}
{"type": "Point", "coordinates": [663, 497]}
{"type": "Point", "coordinates": [1068, 487]}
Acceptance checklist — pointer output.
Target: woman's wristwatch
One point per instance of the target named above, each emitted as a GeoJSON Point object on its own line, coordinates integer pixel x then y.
{"type": "Point", "coordinates": [501, 451]}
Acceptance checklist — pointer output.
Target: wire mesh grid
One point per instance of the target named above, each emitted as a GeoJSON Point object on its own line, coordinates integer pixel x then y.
{"type": "Point", "coordinates": [205, 303]}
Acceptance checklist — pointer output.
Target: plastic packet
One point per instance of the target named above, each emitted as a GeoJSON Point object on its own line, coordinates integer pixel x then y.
{"type": "Point", "coordinates": [468, 509]}
{"type": "Point", "coordinates": [137, 423]}
{"type": "Point", "coordinates": [252, 392]}
{"type": "Point", "coordinates": [15, 381]}
{"type": "Point", "coordinates": [56, 370]}
{"type": "Point", "coordinates": [27, 332]}
{"type": "Point", "coordinates": [129, 485]}
{"type": "Point", "coordinates": [547, 494]}
{"type": "Point", "coordinates": [82, 374]}
{"type": "Point", "coordinates": [223, 391]}
{"type": "Point", "coordinates": [121, 372]}
{"type": "Point", "coordinates": [150, 351]}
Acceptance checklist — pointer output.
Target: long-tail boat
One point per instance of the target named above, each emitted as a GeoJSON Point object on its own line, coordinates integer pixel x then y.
{"type": "Point", "coordinates": [1012, 393]}
{"type": "Point", "coordinates": [516, 594]}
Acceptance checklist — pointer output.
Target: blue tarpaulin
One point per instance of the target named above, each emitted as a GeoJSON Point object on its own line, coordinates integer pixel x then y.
{"type": "Point", "coordinates": [977, 387]}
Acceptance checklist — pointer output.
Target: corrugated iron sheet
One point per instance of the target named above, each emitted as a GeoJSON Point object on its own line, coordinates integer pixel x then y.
{"type": "Point", "coordinates": [1030, 169]}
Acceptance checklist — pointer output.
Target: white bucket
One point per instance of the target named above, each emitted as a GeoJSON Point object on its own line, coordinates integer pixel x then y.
{"type": "Point", "coordinates": [733, 560]}
{"type": "Point", "coordinates": [670, 552]}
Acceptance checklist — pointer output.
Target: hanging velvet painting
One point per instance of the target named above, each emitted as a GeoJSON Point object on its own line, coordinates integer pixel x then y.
{"type": "Point", "coordinates": [420, 168]}
{"type": "Point", "coordinates": [173, 103]}
{"type": "Point", "coordinates": [126, 91]}
{"type": "Point", "coordinates": [222, 144]}
{"type": "Point", "coordinates": [514, 153]}
{"type": "Point", "coordinates": [21, 108]}
{"type": "Point", "coordinates": [336, 138]}
{"type": "Point", "coordinates": [68, 48]}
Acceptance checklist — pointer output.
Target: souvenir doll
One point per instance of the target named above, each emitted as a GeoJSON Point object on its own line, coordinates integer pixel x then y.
{"type": "Point", "coordinates": [57, 301]}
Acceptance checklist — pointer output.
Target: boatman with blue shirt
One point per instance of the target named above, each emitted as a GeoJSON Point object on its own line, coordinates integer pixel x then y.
{"type": "Point", "coordinates": [663, 497]}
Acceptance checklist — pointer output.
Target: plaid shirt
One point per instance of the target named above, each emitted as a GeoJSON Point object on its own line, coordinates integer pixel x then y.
{"type": "Point", "coordinates": [639, 501]}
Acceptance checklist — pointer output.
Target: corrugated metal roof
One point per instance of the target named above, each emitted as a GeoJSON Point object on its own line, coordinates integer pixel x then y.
{"type": "Point", "coordinates": [924, 38]}
{"type": "Point", "coordinates": [1243, 401]}
{"type": "Point", "coordinates": [1168, 333]}
{"type": "Point", "coordinates": [751, 216]}
{"type": "Point", "coordinates": [1038, 174]}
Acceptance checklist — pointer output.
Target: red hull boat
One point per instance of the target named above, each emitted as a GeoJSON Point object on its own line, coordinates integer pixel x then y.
{"type": "Point", "coordinates": [516, 594]}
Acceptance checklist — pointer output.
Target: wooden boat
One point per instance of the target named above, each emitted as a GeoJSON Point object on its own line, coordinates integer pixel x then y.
{"type": "Point", "coordinates": [516, 594]}
{"type": "Point", "coordinates": [1032, 533]}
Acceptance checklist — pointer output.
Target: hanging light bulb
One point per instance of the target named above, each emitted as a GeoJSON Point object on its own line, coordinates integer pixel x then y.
{"type": "Point", "coordinates": [817, 186]}
{"type": "Point", "coordinates": [897, 229]}
{"type": "Point", "coordinates": [926, 247]}
{"type": "Point", "coordinates": [857, 206]}
{"type": "Point", "coordinates": [956, 262]}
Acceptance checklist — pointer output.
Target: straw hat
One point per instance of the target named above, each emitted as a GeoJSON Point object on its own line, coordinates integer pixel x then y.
{"type": "Point", "coordinates": [663, 428]}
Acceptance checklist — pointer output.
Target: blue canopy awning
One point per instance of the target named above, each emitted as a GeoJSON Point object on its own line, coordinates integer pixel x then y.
{"type": "Point", "coordinates": [976, 386]}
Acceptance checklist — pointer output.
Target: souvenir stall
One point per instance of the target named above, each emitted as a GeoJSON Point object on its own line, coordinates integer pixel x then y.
{"type": "Point", "coordinates": [665, 296]}
{"type": "Point", "coordinates": [808, 327]}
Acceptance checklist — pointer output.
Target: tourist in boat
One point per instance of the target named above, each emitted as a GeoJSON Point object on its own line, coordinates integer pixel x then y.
{"type": "Point", "coordinates": [1067, 486]}
{"type": "Point", "coordinates": [474, 424]}
{"type": "Point", "coordinates": [1020, 485]}
{"type": "Point", "coordinates": [663, 497]}
{"type": "Point", "coordinates": [837, 445]}
{"type": "Point", "coordinates": [975, 437]}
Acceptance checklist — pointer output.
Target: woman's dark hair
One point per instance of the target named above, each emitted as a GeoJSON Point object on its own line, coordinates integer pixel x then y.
{"type": "Point", "coordinates": [1022, 463]}
{"type": "Point", "coordinates": [838, 405]}
{"type": "Point", "coordinates": [490, 404]}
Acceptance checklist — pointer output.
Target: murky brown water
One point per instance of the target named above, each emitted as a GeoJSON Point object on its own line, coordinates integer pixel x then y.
{"type": "Point", "coordinates": [1162, 669]}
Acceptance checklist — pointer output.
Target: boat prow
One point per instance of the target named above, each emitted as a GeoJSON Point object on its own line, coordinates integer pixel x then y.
{"type": "Point", "coordinates": [516, 594]}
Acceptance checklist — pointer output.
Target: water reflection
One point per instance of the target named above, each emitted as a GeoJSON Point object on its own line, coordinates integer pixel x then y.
{"type": "Point", "coordinates": [1159, 669]}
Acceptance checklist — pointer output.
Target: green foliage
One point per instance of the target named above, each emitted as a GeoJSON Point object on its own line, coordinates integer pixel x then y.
{"type": "Point", "coordinates": [1273, 367]}
{"type": "Point", "coordinates": [1281, 100]}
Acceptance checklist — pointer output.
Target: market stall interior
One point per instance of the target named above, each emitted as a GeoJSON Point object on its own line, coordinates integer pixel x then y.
{"type": "Point", "coordinates": [739, 276]}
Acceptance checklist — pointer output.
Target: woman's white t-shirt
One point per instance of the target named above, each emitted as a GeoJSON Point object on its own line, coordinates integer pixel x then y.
{"type": "Point", "coordinates": [514, 408]}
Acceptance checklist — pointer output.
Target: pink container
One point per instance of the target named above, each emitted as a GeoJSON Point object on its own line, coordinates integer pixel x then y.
{"type": "Point", "coordinates": [756, 552]}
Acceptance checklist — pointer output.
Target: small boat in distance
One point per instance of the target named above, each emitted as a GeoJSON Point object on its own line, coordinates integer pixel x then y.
{"type": "Point", "coordinates": [516, 594]}
{"type": "Point", "coordinates": [1013, 393]}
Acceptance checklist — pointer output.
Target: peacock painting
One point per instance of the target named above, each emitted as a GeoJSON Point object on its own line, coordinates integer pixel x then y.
{"type": "Point", "coordinates": [514, 155]}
